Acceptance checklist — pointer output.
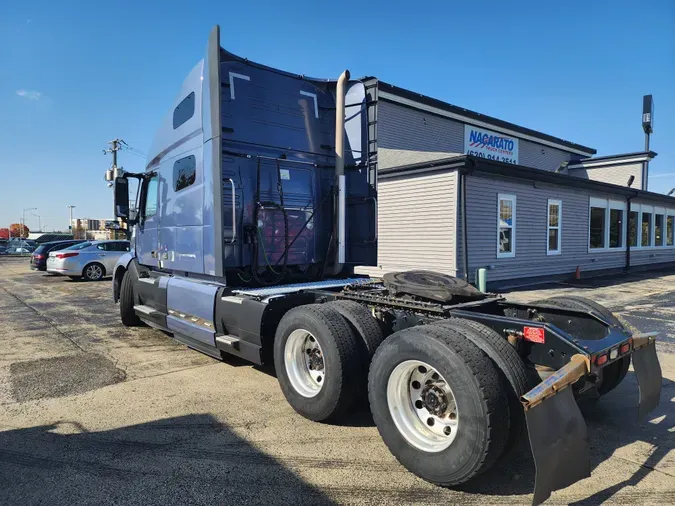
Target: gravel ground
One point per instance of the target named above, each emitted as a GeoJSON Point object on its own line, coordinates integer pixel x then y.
{"type": "Point", "coordinates": [94, 413]}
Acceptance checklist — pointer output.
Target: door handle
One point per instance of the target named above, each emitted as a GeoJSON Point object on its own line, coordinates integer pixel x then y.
{"type": "Point", "coordinates": [153, 254]}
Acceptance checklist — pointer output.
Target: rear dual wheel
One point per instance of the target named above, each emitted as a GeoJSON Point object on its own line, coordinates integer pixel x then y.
{"type": "Point", "coordinates": [317, 361]}
{"type": "Point", "coordinates": [439, 404]}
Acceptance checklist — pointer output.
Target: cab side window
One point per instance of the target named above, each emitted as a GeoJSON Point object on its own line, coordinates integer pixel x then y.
{"type": "Point", "coordinates": [151, 198]}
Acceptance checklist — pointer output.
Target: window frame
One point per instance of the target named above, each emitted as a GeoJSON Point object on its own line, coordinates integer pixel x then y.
{"type": "Point", "coordinates": [670, 213]}
{"type": "Point", "coordinates": [608, 205]}
{"type": "Point", "coordinates": [179, 113]}
{"type": "Point", "coordinates": [512, 199]}
{"type": "Point", "coordinates": [558, 250]}
{"type": "Point", "coordinates": [194, 172]}
{"type": "Point", "coordinates": [144, 204]}
{"type": "Point", "coordinates": [659, 211]}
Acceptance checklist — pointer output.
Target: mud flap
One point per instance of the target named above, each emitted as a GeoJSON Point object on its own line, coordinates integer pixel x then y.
{"type": "Point", "coordinates": [557, 431]}
{"type": "Point", "coordinates": [648, 372]}
{"type": "Point", "coordinates": [559, 441]}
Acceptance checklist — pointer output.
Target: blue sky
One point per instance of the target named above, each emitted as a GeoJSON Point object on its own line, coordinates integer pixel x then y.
{"type": "Point", "coordinates": [78, 74]}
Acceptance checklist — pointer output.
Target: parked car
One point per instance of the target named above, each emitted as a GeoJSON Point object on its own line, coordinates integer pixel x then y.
{"type": "Point", "coordinates": [3, 249]}
{"type": "Point", "coordinates": [91, 260]}
{"type": "Point", "coordinates": [20, 247]}
{"type": "Point", "coordinates": [38, 260]}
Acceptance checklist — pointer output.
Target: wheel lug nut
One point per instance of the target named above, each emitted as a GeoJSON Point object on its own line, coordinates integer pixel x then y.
{"type": "Point", "coordinates": [435, 376]}
{"type": "Point", "coordinates": [453, 416]}
{"type": "Point", "coordinates": [422, 369]}
{"type": "Point", "coordinates": [430, 422]}
{"type": "Point", "coordinates": [416, 385]}
{"type": "Point", "coordinates": [419, 404]}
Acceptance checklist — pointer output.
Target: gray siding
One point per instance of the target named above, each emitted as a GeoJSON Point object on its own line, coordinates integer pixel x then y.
{"type": "Point", "coordinates": [614, 174]}
{"type": "Point", "coordinates": [531, 259]}
{"type": "Point", "coordinates": [416, 224]}
{"type": "Point", "coordinates": [407, 135]}
{"type": "Point", "coordinates": [542, 157]}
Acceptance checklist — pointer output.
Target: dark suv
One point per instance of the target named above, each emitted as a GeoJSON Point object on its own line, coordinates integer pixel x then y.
{"type": "Point", "coordinates": [38, 260]}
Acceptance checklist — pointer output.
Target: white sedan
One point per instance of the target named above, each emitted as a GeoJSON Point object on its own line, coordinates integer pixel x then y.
{"type": "Point", "coordinates": [92, 260]}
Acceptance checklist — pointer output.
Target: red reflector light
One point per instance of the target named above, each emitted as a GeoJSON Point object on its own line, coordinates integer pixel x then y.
{"type": "Point", "coordinates": [625, 348]}
{"type": "Point", "coordinates": [66, 255]}
{"type": "Point", "coordinates": [533, 334]}
{"type": "Point", "coordinates": [601, 359]}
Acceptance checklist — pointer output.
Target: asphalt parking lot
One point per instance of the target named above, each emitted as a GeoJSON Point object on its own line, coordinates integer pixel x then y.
{"type": "Point", "coordinates": [92, 412]}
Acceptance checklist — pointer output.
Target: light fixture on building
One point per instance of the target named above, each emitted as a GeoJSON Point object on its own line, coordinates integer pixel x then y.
{"type": "Point", "coordinates": [671, 192]}
{"type": "Point", "coordinates": [630, 181]}
{"type": "Point", "coordinates": [562, 166]}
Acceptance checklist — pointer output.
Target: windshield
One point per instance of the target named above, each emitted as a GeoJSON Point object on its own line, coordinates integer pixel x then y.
{"type": "Point", "coordinates": [82, 245]}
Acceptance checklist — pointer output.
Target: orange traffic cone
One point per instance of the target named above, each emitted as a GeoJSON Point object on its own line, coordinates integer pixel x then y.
{"type": "Point", "coordinates": [577, 275]}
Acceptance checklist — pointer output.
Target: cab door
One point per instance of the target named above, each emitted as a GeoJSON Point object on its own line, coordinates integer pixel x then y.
{"type": "Point", "coordinates": [146, 231]}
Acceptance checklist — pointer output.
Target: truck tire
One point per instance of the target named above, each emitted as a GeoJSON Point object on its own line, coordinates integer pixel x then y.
{"type": "Point", "coordinates": [416, 377]}
{"type": "Point", "coordinates": [582, 304]}
{"type": "Point", "coordinates": [613, 374]}
{"type": "Point", "coordinates": [317, 361]}
{"type": "Point", "coordinates": [363, 323]}
{"type": "Point", "coordinates": [127, 301]}
{"type": "Point", "coordinates": [511, 368]}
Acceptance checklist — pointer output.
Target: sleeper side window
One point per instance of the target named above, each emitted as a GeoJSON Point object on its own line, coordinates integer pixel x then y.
{"type": "Point", "coordinates": [184, 111]}
{"type": "Point", "coordinates": [184, 172]}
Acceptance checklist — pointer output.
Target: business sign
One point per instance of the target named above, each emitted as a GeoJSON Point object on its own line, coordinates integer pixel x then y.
{"type": "Point", "coordinates": [491, 145]}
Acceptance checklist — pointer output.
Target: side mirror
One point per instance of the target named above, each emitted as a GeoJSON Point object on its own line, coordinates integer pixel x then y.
{"type": "Point", "coordinates": [121, 197]}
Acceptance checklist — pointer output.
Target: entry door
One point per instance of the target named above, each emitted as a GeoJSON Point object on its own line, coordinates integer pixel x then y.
{"type": "Point", "coordinates": [146, 232]}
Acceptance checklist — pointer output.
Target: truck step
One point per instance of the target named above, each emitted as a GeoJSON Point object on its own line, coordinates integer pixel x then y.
{"type": "Point", "coordinates": [227, 340]}
{"type": "Point", "coordinates": [146, 310]}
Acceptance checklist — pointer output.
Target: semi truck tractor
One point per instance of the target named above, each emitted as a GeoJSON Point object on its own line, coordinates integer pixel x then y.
{"type": "Point", "coordinates": [257, 202]}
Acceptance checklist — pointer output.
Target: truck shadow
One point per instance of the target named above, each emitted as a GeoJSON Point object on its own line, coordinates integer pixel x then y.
{"type": "Point", "coordinates": [612, 425]}
{"type": "Point", "coordinates": [191, 459]}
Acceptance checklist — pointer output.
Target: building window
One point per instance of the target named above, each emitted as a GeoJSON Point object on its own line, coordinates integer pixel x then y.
{"type": "Point", "coordinates": [658, 230]}
{"type": "Point", "coordinates": [616, 228]}
{"type": "Point", "coordinates": [646, 239]}
{"type": "Point", "coordinates": [506, 233]}
{"type": "Point", "coordinates": [632, 229]}
{"type": "Point", "coordinates": [670, 238]}
{"type": "Point", "coordinates": [184, 172]}
{"type": "Point", "coordinates": [607, 229]}
{"type": "Point", "coordinates": [554, 228]}
{"type": "Point", "coordinates": [184, 111]}
{"type": "Point", "coordinates": [597, 236]}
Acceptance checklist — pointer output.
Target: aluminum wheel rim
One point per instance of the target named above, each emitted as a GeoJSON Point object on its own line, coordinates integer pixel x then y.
{"type": "Point", "coordinates": [94, 272]}
{"type": "Point", "coordinates": [304, 363]}
{"type": "Point", "coordinates": [416, 395]}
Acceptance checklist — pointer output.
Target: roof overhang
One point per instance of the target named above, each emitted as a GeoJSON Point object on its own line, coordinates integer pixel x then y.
{"type": "Point", "coordinates": [468, 164]}
{"type": "Point", "coordinates": [422, 102]}
{"type": "Point", "coordinates": [613, 160]}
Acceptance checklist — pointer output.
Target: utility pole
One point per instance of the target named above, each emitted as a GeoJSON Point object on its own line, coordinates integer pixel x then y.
{"type": "Point", "coordinates": [115, 146]}
{"type": "Point", "coordinates": [70, 223]}
{"type": "Point", "coordinates": [23, 219]}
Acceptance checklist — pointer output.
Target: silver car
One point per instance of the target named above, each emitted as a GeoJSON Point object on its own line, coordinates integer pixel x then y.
{"type": "Point", "coordinates": [90, 260]}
